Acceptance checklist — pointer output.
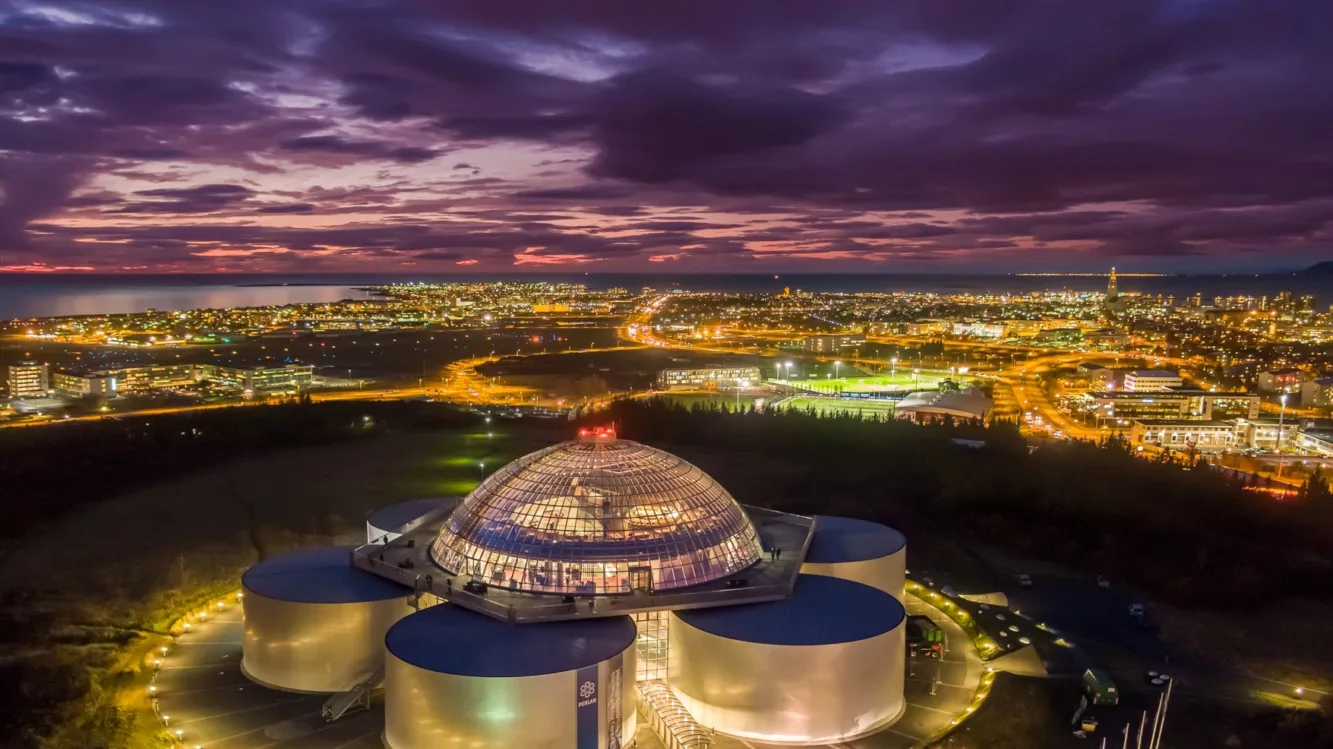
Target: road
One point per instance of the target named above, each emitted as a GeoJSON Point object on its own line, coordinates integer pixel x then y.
{"type": "Point", "coordinates": [460, 383]}
{"type": "Point", "coordinates": [1097, 620]}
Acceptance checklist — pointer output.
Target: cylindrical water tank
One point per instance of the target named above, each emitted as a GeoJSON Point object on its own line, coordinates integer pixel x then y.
{"type": "Point", "coordinates": [822, 666]}
{"type": "Point", "coordinates": [858, 550]}
{"type": "Point", "coordinates": [315, 623]}
{"type": "Point", "coordinates": [384, 524]}
{"type": "Point", "coordinates": [457, 678]}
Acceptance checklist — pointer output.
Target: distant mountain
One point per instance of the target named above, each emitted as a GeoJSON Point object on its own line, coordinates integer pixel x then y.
{"type": "Point", "coordinates": [1319, 269]}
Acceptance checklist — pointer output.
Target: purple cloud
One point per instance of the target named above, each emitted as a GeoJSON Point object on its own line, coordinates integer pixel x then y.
{"type": "Point", "coordinates": [853, 133]}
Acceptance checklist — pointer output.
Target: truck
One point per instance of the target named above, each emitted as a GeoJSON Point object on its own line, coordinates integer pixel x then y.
{"type": "Point", "coordinates": [925, 638]}
{"type": "Point", "coordinates": [1100, 688]}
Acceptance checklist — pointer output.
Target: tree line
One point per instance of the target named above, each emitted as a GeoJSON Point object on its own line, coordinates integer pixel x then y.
{"type": "Point", "coordinates": [1175, 527]}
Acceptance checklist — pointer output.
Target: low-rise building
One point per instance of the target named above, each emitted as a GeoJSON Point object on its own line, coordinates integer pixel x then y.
{"type": "Point", "coordinates": [1315, 442]}
{"type": "Point", "coordinates": [258, 379]}
{"type": "Point", "coordinates": [1318, 392]}
{"type": "Point", "coordinates": [1173, 405]}
{"type": "Point", "coordinates": [707, 378]}
{"type": "Point", "coordinates": [1204, 435]}
{"type": "Point", "coordinates": [929, 327]}
{"type": "Point", "coordinates": [932, 405]}
{"type": "Point", "coordinates": [978, 330]}
{"type": "Point", "coordinates": [154, 377]}
{"type": "Point", "coordinates": [1104, 338]}
{"type": "Point", "coordinates": [1152, 381]}
{"type": "Point", "coordinates": [80, 384]}
{"type": "Point", "coordinates": [1262, 433]}
{"type": "Point", "coordinates": [831, 343]}
{"type": "Point", "coordinates": [1281, 380]}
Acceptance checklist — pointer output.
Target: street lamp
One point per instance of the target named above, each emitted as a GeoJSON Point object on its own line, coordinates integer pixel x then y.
{"type": "Point", "coordinates": [740, 385]}
{"type": "Point", "coordinates": [1281, 417]}
{"type": "Point", "coordinates": [836, 366]}
{"type": "Point", "coordinates": [893, 366]}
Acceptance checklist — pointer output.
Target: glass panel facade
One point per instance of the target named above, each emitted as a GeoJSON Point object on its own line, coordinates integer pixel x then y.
{"type": "Point", "coordinates": [597, 516]}
{"type": "Point", "coordinates": [653, 646]}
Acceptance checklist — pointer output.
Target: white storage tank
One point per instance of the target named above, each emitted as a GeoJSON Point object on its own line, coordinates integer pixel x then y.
{"type": "Point", "coordinates": [386, 523]}
{"type": "Point", "coordinates": [315, 623]}
{"type": "Point", "coordinates": [858, 550]}
{"type": "Point", "coordinates": [457, 678]}
{"type": "Point", "coordinates": [823, 666]}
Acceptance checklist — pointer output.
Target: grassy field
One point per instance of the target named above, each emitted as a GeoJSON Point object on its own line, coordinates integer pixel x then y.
{"type": "Point", "coordinates": [689, 400]}
{"type": "Point", "coordinates": [902, 380]}
{"type": "Point", "coordinates": [839, 405]}
{"type": "Point", "coordinates": [89, 590]}
{"type": "Point", "coordinates": [118, 558]}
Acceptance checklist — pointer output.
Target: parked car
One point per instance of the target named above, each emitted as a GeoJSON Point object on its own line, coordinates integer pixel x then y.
{"type": "Point", "coordinates": [1103, 582]}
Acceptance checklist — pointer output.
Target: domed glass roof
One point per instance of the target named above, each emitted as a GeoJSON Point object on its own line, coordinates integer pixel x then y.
{"type": "Point", "coordinates": [597, 516]}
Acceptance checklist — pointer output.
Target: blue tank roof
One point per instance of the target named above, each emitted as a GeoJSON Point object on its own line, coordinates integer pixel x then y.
{"type": "Point", "coordinates": [452, 640]}
{"type": "Point", "coordinates": [321, 575]}
{"type": "Point", "coordinates": [396, 516]}
{"type": "Point", "coordinates": [850, 540]}
{"type": "Point", "coordinates": [823, 611]}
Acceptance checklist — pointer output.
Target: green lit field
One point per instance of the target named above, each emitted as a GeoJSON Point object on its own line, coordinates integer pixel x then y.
{"type": "Point", "coordinates": [902, 380]}
{"type": "Point", "coordinates": [838, 405]}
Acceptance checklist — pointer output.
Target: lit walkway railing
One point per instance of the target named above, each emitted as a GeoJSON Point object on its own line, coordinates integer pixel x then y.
{"type": "Point", "coordinates": [768, 580]}
{"type": "Point", "coordinates": [669, 719]}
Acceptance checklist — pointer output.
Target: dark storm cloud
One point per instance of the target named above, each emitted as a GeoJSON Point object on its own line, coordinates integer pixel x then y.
{"type": "Point", "coordinates": [372, 149]}
{"type": "Point", "coordinates": [289, 208]}
{"type": "Point", "coordinates": [1149, 128]}
{"type": "Point", "coordinates": [200, 199]}
{"type": "Point", "coordinates": [653, 127]}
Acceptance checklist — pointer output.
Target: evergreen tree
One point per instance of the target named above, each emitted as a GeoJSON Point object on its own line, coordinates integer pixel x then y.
{"type": "Point", "coordinates": [1316, 489]}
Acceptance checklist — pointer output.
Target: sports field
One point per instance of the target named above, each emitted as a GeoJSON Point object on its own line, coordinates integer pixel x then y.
{"type": "Point", "coordinates": [902, 380]}
{"type": "Point", "coordinates": [839, 405]}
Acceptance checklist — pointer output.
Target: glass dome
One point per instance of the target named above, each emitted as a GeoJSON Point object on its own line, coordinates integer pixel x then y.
{"type": "Point", "coordinates": [597, 516]}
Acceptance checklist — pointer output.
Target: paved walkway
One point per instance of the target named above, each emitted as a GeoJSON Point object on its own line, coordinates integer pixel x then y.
{"type": "Point", "coordinates": [201, 690]}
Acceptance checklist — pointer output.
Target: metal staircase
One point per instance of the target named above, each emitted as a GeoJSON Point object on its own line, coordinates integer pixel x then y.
{"type": "Point", "coordinates": [353, 699]}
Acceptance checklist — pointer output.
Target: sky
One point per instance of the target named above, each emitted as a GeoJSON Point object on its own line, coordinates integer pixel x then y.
{"type": "Point", "coordinates": [687, 136]}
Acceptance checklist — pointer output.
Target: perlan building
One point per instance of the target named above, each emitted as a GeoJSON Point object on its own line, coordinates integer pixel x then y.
{"type": "Point", "coordinates": [592, 586]}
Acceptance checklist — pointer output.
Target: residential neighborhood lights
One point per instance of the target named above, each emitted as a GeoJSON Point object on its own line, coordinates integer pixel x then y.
{"type": "Point", "coordinates": [1281, 417]}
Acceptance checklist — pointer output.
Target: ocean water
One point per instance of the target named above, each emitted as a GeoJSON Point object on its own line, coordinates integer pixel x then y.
{"type": "Point", "coordinates": [23, 296]}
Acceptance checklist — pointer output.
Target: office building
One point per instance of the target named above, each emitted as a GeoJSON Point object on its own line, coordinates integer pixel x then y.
{"type": "Point", "coordinates": [258, 379]}
{"type": "Point", "coordinates": [79, 385]}
{"type": "Point", "coordinates": [1174, 405]}
{"type": "Point", "coordinates": [1152, 381]}
{"type": "Point", "coordinates": [1317, 392]}
{"type": "Point", "coordinates": [155, 377]}
{"type": "Point", "coordinates": [1183, 434]}
{"type": "Point", "coordinates": [710, 378]}
{"type": "Point", "coordinates": [978, 330]}
{"type": "Point", "coordinates": [1315, 442]}
{"type": "Point", "coordinates": [1281, 380]}
{"type": "Point", "coordinates": [831, 344]}
{"type": "Point", "coordinates": [28, 379]}
{"type": "Point", "coordinates": [1262, 433]}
